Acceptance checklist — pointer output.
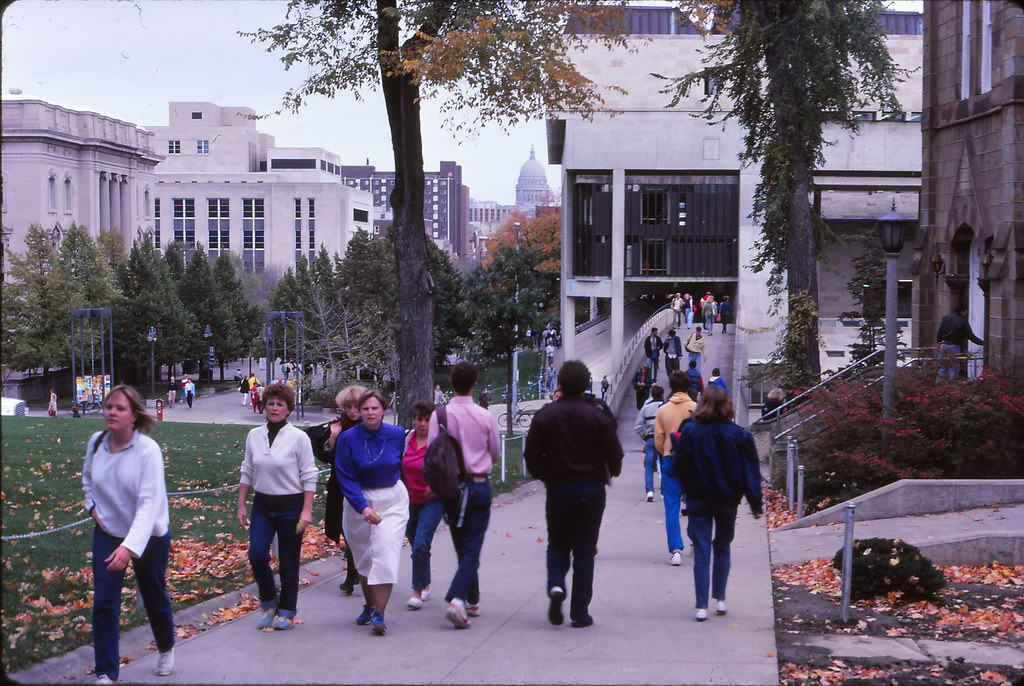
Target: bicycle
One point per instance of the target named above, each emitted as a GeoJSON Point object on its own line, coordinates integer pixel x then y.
{"type": "Point", "coordinates": [521, 417]}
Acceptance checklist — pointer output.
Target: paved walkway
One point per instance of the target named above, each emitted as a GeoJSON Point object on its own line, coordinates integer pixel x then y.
{"type": "Point", "coordinates": [644, 631]}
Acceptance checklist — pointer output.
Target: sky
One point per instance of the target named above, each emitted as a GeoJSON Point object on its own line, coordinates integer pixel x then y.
{"type": "Point", "coordinates": [129, 59]}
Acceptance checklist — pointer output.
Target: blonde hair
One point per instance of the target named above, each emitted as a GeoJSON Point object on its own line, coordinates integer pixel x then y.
{"type": "Point", "coordinates": [349, 396]}
{"type": "Point", "coordinates": [144, 421]}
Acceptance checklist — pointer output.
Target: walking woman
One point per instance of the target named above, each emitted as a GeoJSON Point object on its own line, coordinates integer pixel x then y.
{"type": "Point", "coordinates": [125, 493]}
{"type": "Point", "coordinates": [425, 508]}
{"type": "Point", "coordinates": [278, 468]}
{"type": "Point", "coordinates": [347, 400]}
{"type": "Point", "coordinates": [51, 408]}
{"type": "Point", "coordinates": [368, 458]}
{"type": "Point", "coordinates": [716, 461]}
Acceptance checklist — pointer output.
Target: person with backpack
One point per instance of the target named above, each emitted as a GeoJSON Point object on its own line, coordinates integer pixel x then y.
{"type": "Point", "coordinates": [716, 461]}
{"type": "Point", "coordinates": [368, 458]}
{"type": "Point", "coordinates": [126, 495]}
{"type": "Point", "coordinates": [425, 507]}
{"type": "Point", "coordinates": [644, 426]}
{"type": "Point", "coordinates": [668, 421]}
{"type": "Point", "coordinates": [476, 432]}
{"type": "Point", "coordinates": [573, 447]}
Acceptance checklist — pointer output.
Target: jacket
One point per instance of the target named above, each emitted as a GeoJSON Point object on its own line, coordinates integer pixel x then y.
{"type": "Point", "coordinates": [652, 348]}
{"type": "Point", "coordinates": [644, 424]}
{"type": "Point", "coordinates": [954, 329]}
{"type": "Point", "coordinates": [694, 344]}
{"type": "Point", "coordinates": [717, 462]}
{"type": "Point", "coordinates": [573, 439]}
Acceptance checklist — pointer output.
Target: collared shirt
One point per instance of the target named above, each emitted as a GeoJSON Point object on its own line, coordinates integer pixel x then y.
{"type": "Point", "coordinates": [475, 430]}
{"type": "Point", "coordinates": [128, 490]}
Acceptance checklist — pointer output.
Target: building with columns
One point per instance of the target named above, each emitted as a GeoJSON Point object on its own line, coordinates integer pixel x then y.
{"type": "Point", "coordinates": [971, 245]}
{"type": "Point", "coordinates": [62, 165]}
{"type": "Point", "coordinates": [532, 186]}
{"type": "Point", "coordinates": [655, 200]}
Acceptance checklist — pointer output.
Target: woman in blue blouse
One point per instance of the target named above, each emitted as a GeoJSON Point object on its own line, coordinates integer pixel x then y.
{"type": "Point", "coordinates": [368, 461]}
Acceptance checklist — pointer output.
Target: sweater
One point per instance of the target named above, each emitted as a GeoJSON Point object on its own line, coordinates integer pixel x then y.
{"type": "Point", "coordinates": [412, 470]}
{"type": "Point", "coordinates": [286, 468]}
{"type": "Point", "coordinates": [644, 424]}
{"type": "Point", "coordinates": [475, 430]}
{"type": "Point", "coordinates": [127, 489]}
{"type": "Point", "coordinates": [368, 459]}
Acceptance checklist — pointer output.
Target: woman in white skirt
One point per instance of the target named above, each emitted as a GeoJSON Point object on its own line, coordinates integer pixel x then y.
{"type": "Point", "coordinates": [368, 461]}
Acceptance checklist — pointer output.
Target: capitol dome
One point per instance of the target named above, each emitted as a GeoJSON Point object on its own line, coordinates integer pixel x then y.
{"type": "Point", "coordinates": [532, 186]}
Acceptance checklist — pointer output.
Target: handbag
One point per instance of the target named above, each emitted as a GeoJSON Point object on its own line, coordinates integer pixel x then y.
{"type": "Point", "coordinates": [319, 434]}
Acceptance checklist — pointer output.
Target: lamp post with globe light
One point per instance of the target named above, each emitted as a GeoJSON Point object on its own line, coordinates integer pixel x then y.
{"type": "Point", "coordinates": [151, 338]}
{"type": "Point", "coordinates": [891, 230]}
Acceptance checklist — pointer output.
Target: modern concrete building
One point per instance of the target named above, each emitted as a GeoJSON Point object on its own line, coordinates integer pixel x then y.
{"type": "Point", "coordinates": [224, 184]}
{"type": "Point", "coordinates": [62, 165]}
{"type": "Point", "coordinates": [655, 200]}
{"type": "Point", "coordinates": [971, 245]}
{"type": "Point", "coordinates": [445, 202]}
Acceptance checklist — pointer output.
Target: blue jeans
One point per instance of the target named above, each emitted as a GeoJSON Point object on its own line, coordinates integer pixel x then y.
{"type": "Point", "coordinates": [703, 516]}
{"type": "Point", "coordinates": [650, 464]}
{"type": "Point", "coordinates": [469, 541]}
{"type": "Point", "coordinates": [276, 515]}
{"type": "Point", "coordinates": [151, 578]}
{"type": "Point", "coordinates": [653, 359]}
{"type": "Point", "coordinates": [423, 521]}
{"type": "Point", "coordinates": [694, 357]}
{"type": "Point", "coordinates": [689, 317]}
{"type": "Point", "coordinates": [574, 510]}
{"type": "Point", "coordinates": [949, 365]}
{"type": "Point", "coordinates": [672, 493]}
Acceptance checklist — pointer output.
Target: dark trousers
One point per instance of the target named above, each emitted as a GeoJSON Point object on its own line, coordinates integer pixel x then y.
{"type": "Point", "coordinates": [276, 515]}
{"type": "Point", "coordinates": [151, 578]}
{"type": "Point", "coordinates": [574, 510]}
{"type": "Point", "coordinates": [469, 540]}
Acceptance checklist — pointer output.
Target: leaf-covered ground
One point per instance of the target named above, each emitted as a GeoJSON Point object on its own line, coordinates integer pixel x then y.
{"type": "Point", "coordinates": [983, 604]}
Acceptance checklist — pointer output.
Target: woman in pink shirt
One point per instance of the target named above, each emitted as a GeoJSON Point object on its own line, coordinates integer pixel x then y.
{"type": "Point", "coordinates": [425, 508]}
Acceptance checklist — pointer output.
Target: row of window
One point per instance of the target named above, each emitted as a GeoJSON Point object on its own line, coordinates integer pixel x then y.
{"type": "Point", "coordinates": [174, 147]}
{"type": "Point", "coordinates": [183, 225]}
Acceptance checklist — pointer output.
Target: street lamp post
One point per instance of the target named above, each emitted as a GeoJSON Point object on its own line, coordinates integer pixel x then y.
{"type": "Point", "coordinates": [515, 345]}
{"type": "Point", "coordinates": [151, 337]}
{"type": "Point", "coordinates": [891, 229]}
{"type": "Point", "coordinates": [207, 332]}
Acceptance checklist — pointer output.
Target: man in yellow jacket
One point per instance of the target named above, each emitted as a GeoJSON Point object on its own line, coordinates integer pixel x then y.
{"type": "Point", "coordinates": [666, 422]}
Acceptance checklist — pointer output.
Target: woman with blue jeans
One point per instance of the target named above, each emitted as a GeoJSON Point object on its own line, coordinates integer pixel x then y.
{"type": "Point", "coordinates": [278, 467]}
{"type": "Point", "coordinates": [716, 461]}
{"type": "Point", "coordinates": [425, 508]}
{"type": "Point", "coordinates": [125, 493]}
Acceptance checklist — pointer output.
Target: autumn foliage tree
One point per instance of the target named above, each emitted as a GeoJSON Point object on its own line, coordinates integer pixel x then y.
{"type": "Point", "coordinates": [788, 72]}
{"type": "Point", "coordinates": [488, 60]}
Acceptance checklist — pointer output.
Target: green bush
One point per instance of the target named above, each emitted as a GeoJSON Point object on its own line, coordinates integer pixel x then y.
{"type": "Point", "coordinates": [884, 565]}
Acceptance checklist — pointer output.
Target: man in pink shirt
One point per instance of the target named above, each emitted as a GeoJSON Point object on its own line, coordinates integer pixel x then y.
{"type": "Point", "coordinates": [477, 433]}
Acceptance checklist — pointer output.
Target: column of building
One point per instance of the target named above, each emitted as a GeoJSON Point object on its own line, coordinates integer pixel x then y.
{"type": "Point", "coordinates": [104, 202]}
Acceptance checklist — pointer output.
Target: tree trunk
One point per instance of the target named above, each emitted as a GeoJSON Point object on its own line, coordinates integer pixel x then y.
{"type": "Point", "coordinates": [802, 266]}
{"type": "Point", "coordinates": [415, 286]}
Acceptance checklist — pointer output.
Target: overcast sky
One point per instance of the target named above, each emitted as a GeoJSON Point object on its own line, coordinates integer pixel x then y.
{"type": "Point", "coordinates": [128, 60]}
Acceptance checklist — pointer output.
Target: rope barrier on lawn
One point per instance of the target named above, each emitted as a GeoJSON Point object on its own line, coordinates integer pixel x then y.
{"type": "Point", "coordinates": [34, 534]}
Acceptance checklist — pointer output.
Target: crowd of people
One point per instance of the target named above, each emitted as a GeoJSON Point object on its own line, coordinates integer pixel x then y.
{"type": "Point", "coordinates": [378, 496]}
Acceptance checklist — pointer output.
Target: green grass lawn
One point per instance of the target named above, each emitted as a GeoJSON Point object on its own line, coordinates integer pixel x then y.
{"type": "Point", "coordinates": [47, 579]}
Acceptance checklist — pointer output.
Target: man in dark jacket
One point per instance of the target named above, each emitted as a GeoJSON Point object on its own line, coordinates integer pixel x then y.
{"type": "Point", "coordinates": [953, 334]}
{"type": "Point", "coordinates": [652, 348]}
{"type": "Point", "coordinates": [572, 446]}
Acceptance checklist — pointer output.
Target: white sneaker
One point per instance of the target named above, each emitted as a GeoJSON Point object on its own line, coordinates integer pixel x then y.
{"type": "Point", "coordinates": [165, 663]}
{"type": "Point", "coordinates": [456, 613]}
{"type": "Point", "coordinates": [702, 614]}
{"type": "Point", "coordinates": [414, 603]}
{"type": "Point", "coordinates": [677, 558]}
{"type": "Point", "coordinates": [650, 496]}
{"type": "Point", "coordinates": [266, 618]}
{"type": "Point", "coordinates": [720, 608]}
{"type": "Point", "coordinates": [104, 679]}
{"type": "Point", "coordinates": [473, 610]}
{"type": "Point", "coordinates": [425, 594]}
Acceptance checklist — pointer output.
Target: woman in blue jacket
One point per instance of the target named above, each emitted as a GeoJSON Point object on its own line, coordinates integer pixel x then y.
{"type": "Point", "coordinates": [716, 461]}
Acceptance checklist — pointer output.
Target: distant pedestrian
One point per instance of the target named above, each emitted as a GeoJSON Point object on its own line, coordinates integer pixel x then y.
{"type": "Point", "coordinates": [688, 309]}
{"type": "Point", "coordinates": [725, 313]}
{"type": "Point", "coordinates": [485, 398]}
{"type": "Point", "coordinates": [278, 468]}
{"type": "Point", "coordinates": [468, 516]}
{"type": "Point", "coordinates": [644, 426]}
{"type": "Point", "coordinates": [709, 310]}
{"type": "Point", "coordinates": [257, 403]}
{"type": "Point", "coordinates": [51, 409]}
{"type": "Point", "coordinates": [573, 448]}
{"type": "Point", "coordinates": [717, 380]}
{"type": "Point", "coordinates": [190, 391]}
{"type": "Point", "coordinates": [652, 349]}
{"type": "Point", "coordinates": [673, 352]}
{"type": "Point", "coordinates": [952, 336]}
{"type": "Point", "coordinates": [671, 414]}
{"type": "Point", "coordinates": [172, 392]}
{"type": "Point", "coordinates": [642, 384]}
{"type": "Point", "coordinates": [695, 347]}
{"type": "Point", "coordinates": [438, 395]}
{"type": "Point", "coordinates": [770, 408]}
{"type": "Point", "coordinates": [696, 382]}
{"type": "Point", "coordinates": [243, 389]}
{"type": "Point", "coordinates": [425, 508]}
{"type": "Point", "coordinates": [549, 350]}
{"type": "Point", "coordinates": [126, 495]}
{"type": "Point", "coordinates": [604, 388]}
{"type": "Point", "coordinates": [369, 461]}
{"type": "Point", "coordinates": [716, 461]}
{"type": "Point", "coordinates": [677, 309]}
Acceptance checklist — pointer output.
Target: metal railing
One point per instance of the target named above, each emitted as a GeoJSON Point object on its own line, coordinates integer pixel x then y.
{"type": "Point", "coordinates": [626, 363]}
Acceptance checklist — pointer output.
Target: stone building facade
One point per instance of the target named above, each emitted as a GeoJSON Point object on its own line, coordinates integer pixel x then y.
{"type": "Point", "coordinates": [970, 248]}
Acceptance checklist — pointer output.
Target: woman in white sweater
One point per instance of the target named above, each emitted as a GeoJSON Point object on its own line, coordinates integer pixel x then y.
{"type": "Point", "coordinates": [279, 469]}
{"type": "Point", "coordinates": [125, 493]}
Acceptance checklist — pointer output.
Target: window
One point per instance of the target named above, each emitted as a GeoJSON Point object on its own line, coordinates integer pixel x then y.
{"type": "Point", "coordinates": [681, 211]}
{"type": "Point", "coordinates": [864, 116]}
{"type": "Point", "coordinates": [156, 222]}
{"type": "Point", "coordinates": [67, 197]}
{"type": "Point", "coordinates": [360, 216]}
{"type": "Point", "coordinates": [914, 116]}
{"type": "Point", "coordinates": [758, 389]}
{"type": "Point", "coordinates": [653, 257]}
{"type": "Point", "coordinates": [654, 206]}
{"type": "Point", "coordinates": [893, 116]}
{"type": "Point", "coordinates": [252, 234]}
{"type": "Point", "coordinates": [287, 163]}
{"type": "Point", "coordinates": [197, 115]}
{"type": "Point", "coordinates": [311, 225]}
{"type": "Point", "coordinates": [185, 220]}
{"type": "Point", "coordinates": [965, 49]}
{"type": "Point", "coordinates": [298, 229]}
{"type": "Point", "coordinates": [173, 147]}
{"type": "Point", "coordinates": [51, 193]}
{"type": "Point", "coordinates": [711, 86]}
{"type": "Point", "coordinates": [218, 216]}
{"type": "Point", "coordinates": [203, 147]}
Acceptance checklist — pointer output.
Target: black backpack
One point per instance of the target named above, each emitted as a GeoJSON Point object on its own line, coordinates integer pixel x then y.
{"type": "Point", "coordinates": [443, 466]}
